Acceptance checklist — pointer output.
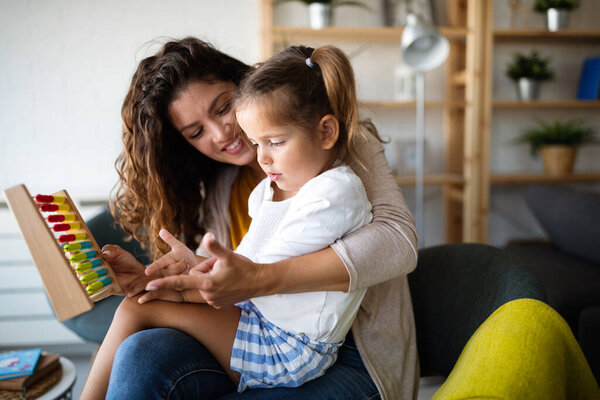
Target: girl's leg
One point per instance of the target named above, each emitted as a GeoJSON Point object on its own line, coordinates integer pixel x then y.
{"type": "Point", "coordinates": [164, 363]}
{"type": "Point", "coordinates": [214, 328]}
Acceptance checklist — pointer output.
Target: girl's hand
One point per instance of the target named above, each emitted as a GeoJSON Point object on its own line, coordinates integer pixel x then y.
{"type": "Point", "coordinates": [224, 279]}
{"type": "Point", "coordinates": [177, 261]}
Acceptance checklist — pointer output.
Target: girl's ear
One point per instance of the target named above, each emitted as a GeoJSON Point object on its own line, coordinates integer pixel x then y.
{"type": "Point", "coordinates": [329, 130]}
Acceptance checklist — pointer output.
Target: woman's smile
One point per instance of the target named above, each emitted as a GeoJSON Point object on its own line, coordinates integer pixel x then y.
{"type": "Point", "coordinates": [234, 147]}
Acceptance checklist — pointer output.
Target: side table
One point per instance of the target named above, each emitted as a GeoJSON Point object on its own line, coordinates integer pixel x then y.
{"type": "Point", "coordinates": [63, 388]}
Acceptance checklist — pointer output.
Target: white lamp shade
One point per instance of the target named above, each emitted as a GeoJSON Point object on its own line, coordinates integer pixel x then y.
{"type": "Point", "coordinates": [423, 48]}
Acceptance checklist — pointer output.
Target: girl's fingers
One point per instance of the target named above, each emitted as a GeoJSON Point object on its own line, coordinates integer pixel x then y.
{"type": "Point", "coordinates": [159, 264]}
{"type": "Point", "coordinates": [203, 267]}
{"type": "Point", "coordinates": [213, 247]}
{"type": "Point", "coordinates": [180, 267]}
{"type": "Point", "coordinates": [169, 239]}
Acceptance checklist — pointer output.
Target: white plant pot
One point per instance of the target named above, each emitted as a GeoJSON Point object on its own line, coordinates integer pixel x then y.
{"type": "Point", "coordinates": [557, 19]}
{"type": "Point", "coordinates": [319, 15]}
{"type": "Point", "coordinates": [528, 89]}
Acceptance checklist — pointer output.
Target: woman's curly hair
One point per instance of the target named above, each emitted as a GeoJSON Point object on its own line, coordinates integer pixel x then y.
{"type": "Point", "coordinates": [162, 178]}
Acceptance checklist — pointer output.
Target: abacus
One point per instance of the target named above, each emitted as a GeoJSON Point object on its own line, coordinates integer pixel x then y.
{"type": "Point", "coordinates": [64, 251]}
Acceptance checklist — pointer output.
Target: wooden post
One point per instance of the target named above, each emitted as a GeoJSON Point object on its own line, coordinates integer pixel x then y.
{"type": "Point", "coordinates": [266, 15]}
{"type": "Point", "coordinates": [477, 116]}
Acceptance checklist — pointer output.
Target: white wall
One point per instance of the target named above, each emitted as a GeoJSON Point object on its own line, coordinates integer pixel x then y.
{"type": "Point", "coordinates": [65, 66]}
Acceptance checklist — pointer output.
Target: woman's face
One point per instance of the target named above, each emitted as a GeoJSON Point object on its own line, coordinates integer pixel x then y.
{"type": "Point", "coordinates": [203, 114]}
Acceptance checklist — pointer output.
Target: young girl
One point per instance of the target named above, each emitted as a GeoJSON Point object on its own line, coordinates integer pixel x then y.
{"type": "Point", "coordinates": [299, 110]}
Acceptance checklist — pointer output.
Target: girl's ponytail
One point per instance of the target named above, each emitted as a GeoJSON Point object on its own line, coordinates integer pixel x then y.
{"type": "Point", "coordinates": [341, 90]}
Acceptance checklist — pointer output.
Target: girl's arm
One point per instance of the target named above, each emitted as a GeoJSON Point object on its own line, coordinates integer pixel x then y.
{"type": "Point", "coordinates": [380, 251]}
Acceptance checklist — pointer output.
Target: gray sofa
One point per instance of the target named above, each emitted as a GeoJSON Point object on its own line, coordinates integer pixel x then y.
{"type": "Point", "coordinates": [568, 263]}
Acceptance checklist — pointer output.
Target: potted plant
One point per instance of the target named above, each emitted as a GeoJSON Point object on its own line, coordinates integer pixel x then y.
{"type": "Point", "coordinates": [558, 142]}
{"type": "Point", "coordinates": [528, 71]}
{"type": "Point", "coordinates": [557, 12]}
{"type": "Point", "coordinates": [320, 12]}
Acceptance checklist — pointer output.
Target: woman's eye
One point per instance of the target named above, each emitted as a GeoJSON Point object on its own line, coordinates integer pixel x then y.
{"type": "Point", "coordinates": [225, 108]}
{"type": "Point", "coordinates": [276, 144]}
{"type": "Point", "coordinates": [197, 134]}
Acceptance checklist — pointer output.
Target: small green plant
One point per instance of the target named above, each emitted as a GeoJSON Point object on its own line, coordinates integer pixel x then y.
{"type": "Point", "coordinates": [570, 133]}
{"type": "Point", "coordinates": [543, 5]}
{"type": "Point", "coordinates": [532, 66]}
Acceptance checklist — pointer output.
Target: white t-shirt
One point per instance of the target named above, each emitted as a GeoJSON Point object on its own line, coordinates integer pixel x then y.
{"type": "Point", "coordinates": [326, 208]}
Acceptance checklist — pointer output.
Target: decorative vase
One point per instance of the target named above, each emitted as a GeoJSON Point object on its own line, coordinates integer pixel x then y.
{"type": "Point", "coordinates": [558, 160]}
{"type": "Point", "coordinates": [556, 19]}
{"type": "Point", "coordinates": [405, 83]}
{"type": "Point", "coordinates": [319, 15]}
{"type": "Point", "coordinates": [528, 89]}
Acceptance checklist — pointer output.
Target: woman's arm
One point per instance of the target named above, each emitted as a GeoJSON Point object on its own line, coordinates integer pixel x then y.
{"type": "Point", "coordinates": [387, 247]}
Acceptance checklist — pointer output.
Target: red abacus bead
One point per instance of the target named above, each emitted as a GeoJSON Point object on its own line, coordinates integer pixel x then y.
{"type": "Point", "coordinates": [66, 238]}
{"type": "Point", "coordinates": [48, 207]}
{"type": "Point", "coordinates": [43, 198]}
{"type": "Point", "coordinates": [61, 227]}
{"type": "Point", "coordinates": [55, 218]}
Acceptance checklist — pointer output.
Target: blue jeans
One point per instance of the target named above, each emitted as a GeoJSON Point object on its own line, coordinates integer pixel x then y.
{"type": "Point", "coordinates": [164, 363]}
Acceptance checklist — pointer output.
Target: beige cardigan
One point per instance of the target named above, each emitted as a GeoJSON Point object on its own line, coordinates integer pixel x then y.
{"type": "Point", "coordinates": [378, 257]}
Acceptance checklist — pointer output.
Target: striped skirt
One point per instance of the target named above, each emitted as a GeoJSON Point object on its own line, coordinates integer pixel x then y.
{"type": "Point", "coordinates": [267, 356]}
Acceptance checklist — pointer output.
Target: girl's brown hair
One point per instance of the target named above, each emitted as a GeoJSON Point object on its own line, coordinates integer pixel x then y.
{"type": "Point", "coordinates": [162, 178]}
{"type": "Point", "coordinates": [314, 83]}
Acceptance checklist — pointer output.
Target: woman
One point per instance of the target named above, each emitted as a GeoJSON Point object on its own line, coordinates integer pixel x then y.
{"type": "Point", "coordinates": [186, 169]}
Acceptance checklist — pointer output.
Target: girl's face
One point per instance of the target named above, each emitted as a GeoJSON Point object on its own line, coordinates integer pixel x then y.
{"type": "Point", "coordinates": [288, 154]}
{"type": "Point", "coordinates": [203, 114]}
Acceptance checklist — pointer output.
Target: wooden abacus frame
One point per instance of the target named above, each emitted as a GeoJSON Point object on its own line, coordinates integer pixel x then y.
{"type": "Point", "coordinates": [66, 293]}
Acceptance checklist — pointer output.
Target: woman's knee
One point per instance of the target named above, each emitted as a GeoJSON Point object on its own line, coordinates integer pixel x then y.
{"type": "Point", "coordinates": [166, 363]}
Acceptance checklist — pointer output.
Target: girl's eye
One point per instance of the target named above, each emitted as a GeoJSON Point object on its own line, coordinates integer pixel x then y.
{"type": "Point", "coordinates": [276, 144]}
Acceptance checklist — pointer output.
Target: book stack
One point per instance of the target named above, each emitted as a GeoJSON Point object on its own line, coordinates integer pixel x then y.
{"type": "Point", "coordinates": [27, 374]}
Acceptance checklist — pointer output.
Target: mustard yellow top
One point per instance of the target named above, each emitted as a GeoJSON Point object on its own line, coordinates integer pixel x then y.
{"type": "Point", "coordinates": [239, 220]}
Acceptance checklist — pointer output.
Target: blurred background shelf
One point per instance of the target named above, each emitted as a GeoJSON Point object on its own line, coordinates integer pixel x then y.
{"type": "Point", "coordinates": [352, 34]}
{"type": "Point", "coordinates": [582, 104]}
{"type": "Point", "coordinates": [524, 178]}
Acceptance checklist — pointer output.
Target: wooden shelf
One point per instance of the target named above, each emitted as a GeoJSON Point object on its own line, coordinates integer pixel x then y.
{"type": "Point", "coordinates": [547, 104]}
{"type": "Point", "coordinates": [377, 35]}
{"type": "Point", "coordinates": [508, 35]}
{"type": "Point", "coordinates": [411, 104]}
{"type": "Point", "coordinates": [520, 179]}
{"type": "Point", "coordinates": [435, 179]}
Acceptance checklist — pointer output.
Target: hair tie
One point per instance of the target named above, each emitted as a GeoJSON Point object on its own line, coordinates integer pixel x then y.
{"type": "Point", "coordinates": [309, 63]}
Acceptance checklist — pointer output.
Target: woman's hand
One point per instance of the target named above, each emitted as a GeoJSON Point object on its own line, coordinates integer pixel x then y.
{"type": "Point", "coordinates": [224, 279]}
{"type": "Point", "coordinates": [129, 271]}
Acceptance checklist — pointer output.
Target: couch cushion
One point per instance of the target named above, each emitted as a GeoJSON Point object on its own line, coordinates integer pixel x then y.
{"type": "Point", "coordinates": [589, 332]}
{"type": "Point", "coordinates": [571, 283]}
{"type": "Point", "coordinates": [571, 218]}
